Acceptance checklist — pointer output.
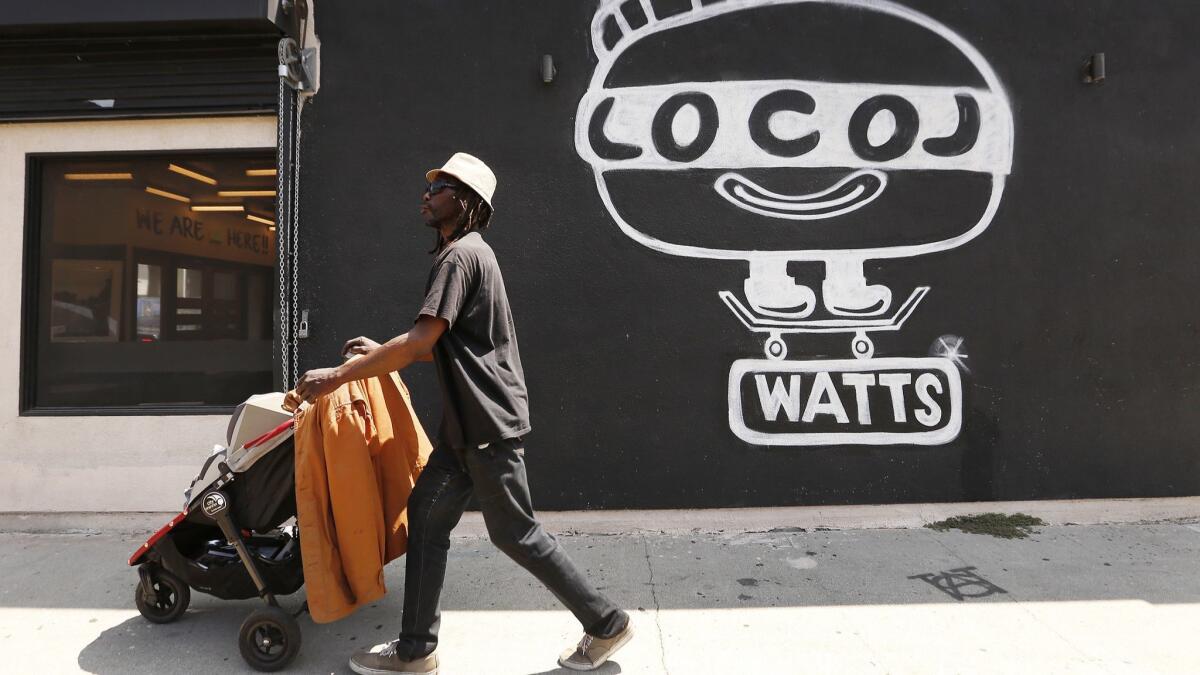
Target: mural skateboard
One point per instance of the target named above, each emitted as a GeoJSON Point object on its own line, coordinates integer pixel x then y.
{"type": "Point", "coordinates": [861, 346]}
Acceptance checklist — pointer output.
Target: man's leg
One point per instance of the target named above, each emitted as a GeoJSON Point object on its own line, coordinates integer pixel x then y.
{"type": "Point", "coordinates": [502, 489]}
{"type": "Point", "coordinates": [434, 508]}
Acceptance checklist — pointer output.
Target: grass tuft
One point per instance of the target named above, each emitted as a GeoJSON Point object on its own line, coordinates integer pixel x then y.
{"type": "Point", "coordinates": [1003, 525]}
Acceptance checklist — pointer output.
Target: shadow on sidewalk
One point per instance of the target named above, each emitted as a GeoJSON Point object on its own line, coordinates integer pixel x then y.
{"type": "Point", "coordinates": [205, 640]}
{"type": "Point", "coordinates": [736, 571]}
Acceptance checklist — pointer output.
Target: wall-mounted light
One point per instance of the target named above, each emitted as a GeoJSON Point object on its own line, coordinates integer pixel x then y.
{"type": "Point", "coordinates": [548, 69]}
{"type": "Point", "coordinates": [260, 219]}
{"type": "Point", "coordinates": [95, 175]}
{"type": "Point", "coordinates": [169, 195]}
{"type": "Point", "coordinates": [1093, 69]}
{"type": "Point", "coordinates": [262, 172]}
{"type": "Point", "coordinates": [183, 171]}
{"type": "Point", "coordinates": [219, 207]}
{"type": "Point", "coordinates": [246, 193]}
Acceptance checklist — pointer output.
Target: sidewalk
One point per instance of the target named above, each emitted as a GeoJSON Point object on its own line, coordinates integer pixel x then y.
{"type": "Point", "coordinates": [1100, 598]}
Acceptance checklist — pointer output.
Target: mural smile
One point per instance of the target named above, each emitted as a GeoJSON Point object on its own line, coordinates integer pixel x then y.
{"type": "Point", "coordinates": [849, 194]}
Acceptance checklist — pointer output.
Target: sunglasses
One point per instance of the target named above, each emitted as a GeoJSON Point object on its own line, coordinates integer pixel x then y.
{"type": "Point", "coordinates": [439, 185]}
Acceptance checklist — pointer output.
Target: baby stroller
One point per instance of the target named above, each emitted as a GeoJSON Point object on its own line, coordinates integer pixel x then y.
{"type": "Point", "coordinates": [228, 540]}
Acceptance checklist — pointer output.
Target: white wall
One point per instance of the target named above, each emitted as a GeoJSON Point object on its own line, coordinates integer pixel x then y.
{"type": "Point", "coordinates": [109, 463]}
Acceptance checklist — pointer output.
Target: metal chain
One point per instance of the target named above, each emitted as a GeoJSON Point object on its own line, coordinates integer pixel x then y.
{"type": "Point", "coordinates": [282, 240]}
{"type": "Point", "coordinates": [287, 219]}
{"type": "Point", "coordinates": [294, 236]}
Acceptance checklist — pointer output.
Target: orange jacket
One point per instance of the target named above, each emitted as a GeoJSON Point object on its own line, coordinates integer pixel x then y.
{"type": "Point", "coordinates": [359, 451]}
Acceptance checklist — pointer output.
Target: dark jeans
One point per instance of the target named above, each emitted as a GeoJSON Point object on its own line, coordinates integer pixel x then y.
{"type": "Point", "coordinates": [496, 476]}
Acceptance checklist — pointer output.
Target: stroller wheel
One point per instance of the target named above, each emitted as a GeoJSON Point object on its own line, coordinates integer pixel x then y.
{"type": "Point", "coordinates": [168, 601]}
{"type": "Point", "coordinates": [269, 639]}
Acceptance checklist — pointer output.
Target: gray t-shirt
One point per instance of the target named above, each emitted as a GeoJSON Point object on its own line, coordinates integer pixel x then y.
{"type": "Point", "coordinates": [483, 386]}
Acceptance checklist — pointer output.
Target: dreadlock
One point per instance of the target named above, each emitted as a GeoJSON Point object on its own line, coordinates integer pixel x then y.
{"type": "Point", "coordinates": [475, 216]}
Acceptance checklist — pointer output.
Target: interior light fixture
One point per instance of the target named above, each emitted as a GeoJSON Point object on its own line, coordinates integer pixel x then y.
{"type": "Point", "coordinates": [169, 195]}
{"type": "Point", "coordinates": [99, 176]}
{"type": "Point", "coordinates": [218, 207]}
{"type": "Point", "coordinates": [192, 174]}
{"type": "Point", "coordinates": [262, 172]}
{"type": "Point", "coordinates": [260, 219]}
{"type": "Point", "coordinates": [246, 193]}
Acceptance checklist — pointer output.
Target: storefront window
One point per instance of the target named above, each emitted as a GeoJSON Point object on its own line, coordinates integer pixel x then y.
{"type": "Point", "coordinates": [149, 303]}
{"type": "Point", "coordinates": [152, 281]}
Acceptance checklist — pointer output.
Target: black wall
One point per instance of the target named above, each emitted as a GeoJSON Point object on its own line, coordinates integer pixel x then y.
{"type": "Point", "coordinates": [1077, 305]}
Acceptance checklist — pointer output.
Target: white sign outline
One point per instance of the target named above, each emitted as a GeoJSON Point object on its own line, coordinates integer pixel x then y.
{"type": "Point", "coordinates": [742, 367]}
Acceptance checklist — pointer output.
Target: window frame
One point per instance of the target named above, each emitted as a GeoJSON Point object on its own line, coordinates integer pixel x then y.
{"type": "Point", "coordinates": [32, 270]}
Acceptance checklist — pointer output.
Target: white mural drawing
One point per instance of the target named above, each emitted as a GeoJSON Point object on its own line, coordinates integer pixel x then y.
{"type": "Point", "coordinates": [848, 194]}
{"type": "Point", "coordinates": [841, 391]}
{"type": "Point", "coordinates": [762, 147]}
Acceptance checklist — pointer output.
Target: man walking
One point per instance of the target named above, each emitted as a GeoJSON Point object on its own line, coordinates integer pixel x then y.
{"type": "Point", "coordinates": [466, 324]}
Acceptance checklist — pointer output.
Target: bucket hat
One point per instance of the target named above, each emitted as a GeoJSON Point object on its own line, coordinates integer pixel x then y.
{"type": "Point", "coordinates": [471, 171]}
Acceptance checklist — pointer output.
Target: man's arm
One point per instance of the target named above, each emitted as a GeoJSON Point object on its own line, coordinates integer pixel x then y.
{"type": "Point", "coordinates": [396, 354]}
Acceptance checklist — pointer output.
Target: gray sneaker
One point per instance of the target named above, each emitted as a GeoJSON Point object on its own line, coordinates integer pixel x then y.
{"type": "Point", "coordinates": [592, 652]}
{"type": "Point", "coordinates": [383, 660]}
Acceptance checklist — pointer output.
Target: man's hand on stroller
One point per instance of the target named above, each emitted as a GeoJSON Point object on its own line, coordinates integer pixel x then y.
{"type": "Point", "coordinates": [317, 383]}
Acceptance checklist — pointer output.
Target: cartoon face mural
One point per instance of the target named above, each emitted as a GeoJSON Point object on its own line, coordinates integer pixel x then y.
{"type": "Point", "coordinates": [821, 131]}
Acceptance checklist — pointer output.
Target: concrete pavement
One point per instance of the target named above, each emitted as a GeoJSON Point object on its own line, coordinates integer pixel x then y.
{"type": "Point", "coordinates": [792, 598]}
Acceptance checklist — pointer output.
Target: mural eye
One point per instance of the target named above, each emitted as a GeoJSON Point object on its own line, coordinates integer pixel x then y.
{"type": "Point", "coordinates": [664, 127]}
{"type": "Point", "coordinates": [903, 135]}
{"type": "Point", "coordinates": [605, 148]}
{"type": "Point", "coordinates": [786, 100]}
{"type": "Point", "coordinates": [964, 137]}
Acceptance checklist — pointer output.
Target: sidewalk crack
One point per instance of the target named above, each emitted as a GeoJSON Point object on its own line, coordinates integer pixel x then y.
{"type": "Point", "coordinates": [662, 645]}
